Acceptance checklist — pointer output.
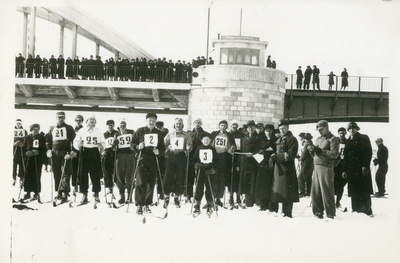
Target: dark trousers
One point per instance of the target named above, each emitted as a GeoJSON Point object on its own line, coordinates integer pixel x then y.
{"type": "Point", "coordinates": [125, 166]}
{"type": "Point", "coordinates": [286, 208]}
{"type": "Point", "coordinates": [220, 179]}
{"type": "Point", "coordinates": [380, 178]}
{"type": "Point", "coordinates": [175, 171]}
{"type": "Point", "coordinates": [90, 165]}
{"type": "Point", "coordinates": [203, 181]}
{"type": "Point", "coordinates": [62, 180]}
{"type": "Point", "coordinates": [108, 165]}
{"type": "Point", "coordinates": [145, 181]}
{"type": "Point", "coordinates": [339, 183]}
{"type": "Point", "coordinates": [18, 167]}
{"type": "Point", "coordinates": [361, 202]}
{"type": "Point", "coordinates": [191, 177]}
{"type": "Point", "coordinates": [75, 169]}
{"type": "Point", "coordinates": [33, 174]}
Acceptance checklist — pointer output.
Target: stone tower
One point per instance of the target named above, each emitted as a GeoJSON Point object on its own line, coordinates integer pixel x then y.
{"type": "Point", "coordinates": [238, 86]}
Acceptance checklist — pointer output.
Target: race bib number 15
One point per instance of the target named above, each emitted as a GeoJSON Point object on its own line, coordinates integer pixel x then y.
{"type": "Point", "coordinates": [206, 155]}
{"type": "Point", "coordinates": [151, 140]}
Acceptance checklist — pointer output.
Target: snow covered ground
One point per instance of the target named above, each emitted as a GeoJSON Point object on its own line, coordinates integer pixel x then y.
{"type": "Point", "coordinates": [84, 234]}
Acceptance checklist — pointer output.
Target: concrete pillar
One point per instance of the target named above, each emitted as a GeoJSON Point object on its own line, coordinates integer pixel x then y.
{"type": "Point", "coordinates": [61, 48]}
{"type": "Point", "coordinates": [240, 92]}
{"type": "Point", "coordinates": [25, 36]}
{"type": "Point", "coordinates": [97, 49]}
{"type": "Point", "coordinates": [32, 35]}
{"type": "Point", "coordinates": [74, 40]}
{"type": "Point", "coordinates": [116, 55]}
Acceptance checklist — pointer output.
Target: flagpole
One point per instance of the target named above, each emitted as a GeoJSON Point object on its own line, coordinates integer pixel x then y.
{"type": "Point", "coordinates": [240, 33]}
{"type": "Point", "coordinates": [208, 35]}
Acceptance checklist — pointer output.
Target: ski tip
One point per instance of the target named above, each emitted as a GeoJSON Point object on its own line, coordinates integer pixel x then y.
{"type": "Point", "coordinates": [13, 200]}
{"type": "Point", "coordinates": [70, 205]}
{"type": "Point", "coordinates": [345, 209]}
{"type": "Point", "coordinates": [54, 203]}
{"type": "Point", "coordinates": [144, 220]}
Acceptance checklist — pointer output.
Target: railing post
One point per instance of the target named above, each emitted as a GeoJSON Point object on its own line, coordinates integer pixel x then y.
{"type": "Point", "coordinates": [336, 92]}
{"type": "Point", "coordinates": [359, 86]}
{"type": "Point", "coordinates": [381, 89]}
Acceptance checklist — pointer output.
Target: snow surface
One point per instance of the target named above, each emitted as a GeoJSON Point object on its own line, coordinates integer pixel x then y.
{"type": "Point", "coordinates": [84, 234]}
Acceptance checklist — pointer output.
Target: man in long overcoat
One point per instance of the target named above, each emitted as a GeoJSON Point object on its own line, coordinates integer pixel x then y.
{"type": "Point", "coordinates": [285, 187]}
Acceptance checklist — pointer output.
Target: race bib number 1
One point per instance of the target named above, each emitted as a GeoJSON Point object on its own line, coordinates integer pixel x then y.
{"type": "Point", "coordinates": [206, 155]}
{"type": "Point", "coordinates": [177, 143]}
{"type": "Point", "coordinates": [35, 144]}
{"type": "Point", "coordinates": [59, 134]}
{"type": "Point", "coordinates": [151, 140]}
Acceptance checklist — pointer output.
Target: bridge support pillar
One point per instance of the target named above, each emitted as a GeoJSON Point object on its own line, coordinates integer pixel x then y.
{"type": "Point", "coordinates": [25, 36]}
{"type": "Point", "coordinates": [61, 47]}
{"type": "Point", "coordinates": [74, 40]}
{"type": "Point", "coordinates": [97, 49]}
{"type": "Point", "coordinates": [32, 32]}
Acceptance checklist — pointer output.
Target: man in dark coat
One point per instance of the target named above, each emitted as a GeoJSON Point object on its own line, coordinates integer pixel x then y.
{"type": "Point", "coordinates": [339, 181]}
{"type": "Point", "coordinates": [306, 165]}
{"type": "Point", "coordinates": [233, 181]}
{"type": "Point", "coordinates": [299, 79]}
{"type": "Point", "coordinates": [357, 157]}
{"type": "Point", "coordinates": [269, 62]}
{"type": "Point", "coordinates": [60, 67]}
{"type": "Point", "coordinates": [381, 160]}
{"type": "Point", "coordinates": [315, 79]}
{"type": "Point", "coordinates": [285, 188]}
{"type": "Point", "coordinates": [53, 67]}
{"type": "Point", "coordinates": [307, 77]}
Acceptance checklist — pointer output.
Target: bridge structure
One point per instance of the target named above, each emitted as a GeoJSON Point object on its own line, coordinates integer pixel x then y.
{"type": "Point", "coordinates": [366, 98]}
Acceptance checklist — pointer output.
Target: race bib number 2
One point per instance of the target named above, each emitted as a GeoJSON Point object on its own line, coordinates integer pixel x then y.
{"type": "Point", "coordinates": [151, 140]}
{"type": "Point", "coordinates": [206, 155]}
{"type": "Point", "coordinates": [59, 134]}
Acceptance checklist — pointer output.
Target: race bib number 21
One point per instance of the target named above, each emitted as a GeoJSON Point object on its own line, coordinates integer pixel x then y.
{"type": "Point", "coordinates": [59, 134]}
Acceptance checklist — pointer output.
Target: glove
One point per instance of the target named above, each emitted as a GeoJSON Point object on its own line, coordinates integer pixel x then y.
{"type": "Point", "coordinates": [318, 151]}
{"type": "Point", "coordinates": [375, 162]}
{"type": "Point", "coordinates": [73, 154]}
{"type": "Point", "coordinates": [156, 151]}
{"type": "Point", "coordinates": [198, 165]}
{"type": "Point", "coordinates": [20, 144]}
{"type": "Point", "coordinates": [16, 143]}
{"type": "Point", "coordinates": [67, 156]}
{"type": "Point", "coordinates": [29, 153]}
{"type": "Point", "coordinates": [49, 153]}
{"type": "Point", "coordinates": [35, 152]}
{"type": "Point", "coordinates": [212, 171]}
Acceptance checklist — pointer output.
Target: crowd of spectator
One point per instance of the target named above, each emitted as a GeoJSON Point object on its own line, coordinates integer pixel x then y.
{"type": "Point", "coordinates": [139, 69]}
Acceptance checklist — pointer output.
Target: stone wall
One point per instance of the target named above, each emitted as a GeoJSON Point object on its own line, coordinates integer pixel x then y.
{"type": "Point", "coordinates": [227, 92]}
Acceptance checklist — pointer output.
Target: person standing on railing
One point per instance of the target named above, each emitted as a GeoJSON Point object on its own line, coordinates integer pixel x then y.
{"type": "Point", "coordinates": [60, 64]}
{"type": "Point", "coordinates": [315, 79]}
{"type": "Point", "coordinates": [345, 77]}
{"type": "Point", "coordinates": [299, 79]}
{"type": "Point", "coordinates": [307, 77]}
{"type": "Point", "coordinates": [331, 81]}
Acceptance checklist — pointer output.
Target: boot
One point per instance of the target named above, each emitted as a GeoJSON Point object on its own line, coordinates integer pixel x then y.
{"type": "Point", "coordinates": [122, 197]}
{"type": "Point", "coordinates": [218, 202]}
{"type": "Point", "coordinates": [64, 197]}
{"type": "Point", "coordinates": [147, 209]}
{"type": "Point", "coordinates": [96, 197]}
{"type": "Point", "coordinates": [84, 198]}
{"type": "Point", "coordinates": [139, 210]}
{"type": "Point", "coordinates": [209, 207]}
{"type": "Point", "coordinates": [27, 196]}
{"type": "Point", "coordinates": [35, 196]}
{"type": "Point", "coordinates": [166, 202]}
{"type": "Point", "coordinates": [176, 202]}
{"type": "Point", "coordinates": [197, 207]}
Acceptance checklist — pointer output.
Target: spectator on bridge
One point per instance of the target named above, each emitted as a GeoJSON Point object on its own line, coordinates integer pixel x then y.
{"type": "Point", "coordinates": [381, 160]}
{"type": "Point", "coordinates": [269, 62]}
{"type": "Point", "coordinates": [53, 67]}
{"type": "Point", "coordinates": [76, 64]}
{"type": "Point", "coordinates": [20, 66]}
{"type": "Point", "coordinates": [30, 63]}
{"type": "Point", "coordinates": [307, 77]}
{"type": "Point", "coordinates": [99, 70]}
{"type": "Point", "coordinates": [315, 79]}
{"type": "Point", "coordinates": [210, 61]}
{"type": "Point", "coordinates": [70, 68]}
{"type": "Point", "coordinates": [38, 66]}
{"type": "Point", "coordinates": [273, 64]}
{"type": "Point", "coordinates": [331, 81]}
{"type": "Point", "coordinates": [299, 79]}
{"type": "Point", "coordinates": [46, 68]}
{"type": "Point", "coordinates": [60, 67]}
{"type": "Point", "coordinates": [345, 77]}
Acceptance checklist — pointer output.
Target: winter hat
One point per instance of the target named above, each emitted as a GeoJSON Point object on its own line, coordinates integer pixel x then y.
{"type": "Point", "coordinates": [151, 115]}
{"type": "Point", "coordinates": [352, 125]}
{"type": "Point", "coordinates": [33, 126]}
{"type": "Point", "coordinates": [198, 120]}
{"type": "Point", "coordinates": [110, 122]}
{"type": "Point", "coordinates": [79, 117]}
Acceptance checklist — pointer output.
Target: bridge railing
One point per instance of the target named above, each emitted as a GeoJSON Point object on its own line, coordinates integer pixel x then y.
{"type": "Point", "coordinates": [89, 72]}
{"type": "Point", "coordinates": [355, 83]}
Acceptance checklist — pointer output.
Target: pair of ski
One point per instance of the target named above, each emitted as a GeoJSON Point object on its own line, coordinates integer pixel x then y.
{"type": "Point", "coordinates": [196, 214]}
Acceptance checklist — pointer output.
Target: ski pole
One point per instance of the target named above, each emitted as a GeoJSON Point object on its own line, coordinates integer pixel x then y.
{"type": "Point", "coordinates": [162, 185]}
{"type": "Point", "coordinates": [133, 181]}
{"type": "Point", "coordinates": [212, 194]}
{"type": "Point", "coordinates": [23, 180]}
{"type": "Point", "coordinates": [195, 189]}
{"type": "Point", "coordinates": [37, 182]}
{"type": "Point", "coordinates": [233, 160]}
{"type": "Point", "coordinates": [23, 161]}
{"type": "Point", "coordinates": [187, 173]}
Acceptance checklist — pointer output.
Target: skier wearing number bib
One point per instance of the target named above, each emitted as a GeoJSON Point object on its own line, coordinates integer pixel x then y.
{"type": "Point", "coordinates": [224, 145]}
{"type": "Point", "coordinates": [90, 138]}
{"type": "Point", "coordinates": [147, 141]}
{"type": "Point", "coordinates": [108, 156]}
{"type": "Point", "coordinates": [19, 135]}
{"type": "Point", "coordinates": [58, 148]}
{"type": "Point", "coordinates": [204, 158]}
{"type": "Point", "coordinates": [177, 142]}
{"type": "Point", "coordinates": [233, 181]}
{"type": "Point", "coordinates": [35, 144]}
{"type": "Point", "coordinates": [75, 161]}
{"type": "Point", "coordinates": [125, 164]}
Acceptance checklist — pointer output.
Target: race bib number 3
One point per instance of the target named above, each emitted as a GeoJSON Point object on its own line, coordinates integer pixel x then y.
{"type": "Point", "coordinates": [35, 144]}
{"type": "Point", "coordinates": [177, 143]}
{"type": "Point", "coordinates": [125, 141]}
{"type": "Point", "coordinates": [90, 141]}
{"type": "Point", "coordinates": [59, 134]}
{"type": "Point", "coordinates": [109, 142]}
{"type": "Point", "coordinates": [19, 133]}
{"type": "Point", "coordinates": [237, 142]}
{"type": "Point", "coordinates": [206, 155]}
{"type": "Point", "coordinates": [151, 140]}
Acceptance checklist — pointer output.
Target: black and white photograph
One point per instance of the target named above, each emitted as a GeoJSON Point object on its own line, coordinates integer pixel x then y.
{"type": "Point", "coordinates": [200, 131]}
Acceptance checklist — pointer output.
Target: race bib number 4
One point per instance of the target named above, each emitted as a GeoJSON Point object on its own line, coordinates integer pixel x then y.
{"type": "Point", "coordinates": [90, 141]}
{"type": "Point", "coordinates": [19, 133]}
{"type": "Point", "coordinates": [109, 142]}
{"type": "Point", "coordinates": [206, 155]}
{"type": "Point", "coordinates": [35, 144]}
{"type": "Point", "coordinates": [151, 140]}
{"type": "Point", "coordinates": [59, 134]}
{"type": "Point", "coordinates": [221, 142]}
{"type": "Point", "coordinates": [125, 141]}
{"type": "Point", "coordinates": [177, 143]}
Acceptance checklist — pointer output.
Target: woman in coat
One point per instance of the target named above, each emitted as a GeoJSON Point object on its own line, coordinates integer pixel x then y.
{"type": "Point", "coordinates": [285, 188]}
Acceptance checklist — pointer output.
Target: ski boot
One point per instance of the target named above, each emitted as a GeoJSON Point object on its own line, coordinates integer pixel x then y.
{"type": "Point", "coordinates": [139, 210]}
{"type": "Point", "coordinates": [147, 209]}
{"type": "Point", "coordinates": [176, 202]}
{"type": "Point", "coordinates": [96, 197]}
{"type": "Point", "coordinates": [166, 202]}
{"type": "Point", "coordinates": [84, 199]}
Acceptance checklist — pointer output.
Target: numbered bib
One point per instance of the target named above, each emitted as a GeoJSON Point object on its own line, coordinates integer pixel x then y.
{"type": "Point", "coordinates": [151, 140]}
{"type": "Point", "coordinates": [125, 141]}
{"type": "Point", "coordinates": [221, 142]}
{"type": "Point", "coordinates": [35, 144]}
{"type": "Point", "coordinates": [109, 142]}
{"type": "Point", "coordinates": [341, 150]}
{"type": "Point", "coordinates": [206, 155]}
{"type": "Point", "coordinates": [177, 143]}
{"type": "Point", "coordinates": [237, 142]}
{"type": "Point", "coordinates": [90, 141]}
{"type": "Point", "coordinates": [59, 134]}
{"type": "Point", "coordinates": [19, 133]}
